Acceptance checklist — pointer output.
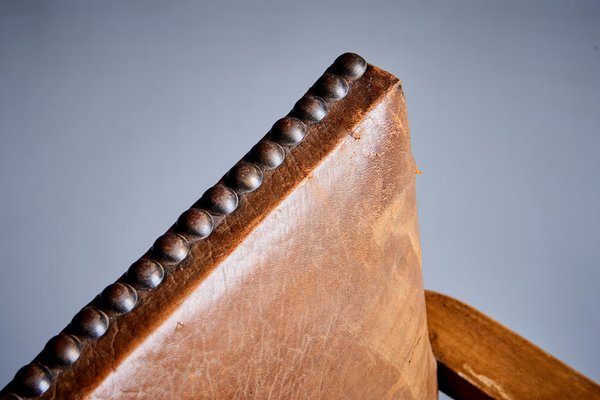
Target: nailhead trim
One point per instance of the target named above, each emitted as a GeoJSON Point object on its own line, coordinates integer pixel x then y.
{"type": "Point", "coordinates": [89, 323]}
{"type": "Point", "coordinates": [267, 154]}
{"type": "Point", "coordinates": [244, 177]}
{"type": "Point", "coordinates": [288, 131]}
{"type": "Point", "coordinates": [118, 298]}
{"type": "Point", "coordinates": [218, 200]}
{"type": "Point", "coordinates": [195, 224]}
{"type": "Point", "coordinates": [145, 274]}
{"type": "Point", "coordinates": [62, 350]}
{"type": "Point", "coordinates": [310, 109]}
{"type": "Point", "coordinates": [170, 249]}
{"type": "Point", "coordinates": [33, 380]}
{"type": "Point", "coordinates": [330, 87]}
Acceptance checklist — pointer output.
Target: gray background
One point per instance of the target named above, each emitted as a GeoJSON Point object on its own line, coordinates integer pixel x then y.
{"type": "Point", "coordinates": [116, 115]}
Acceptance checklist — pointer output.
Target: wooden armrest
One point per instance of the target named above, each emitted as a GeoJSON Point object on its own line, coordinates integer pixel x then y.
{"type": "Point", "coordinates": [480, 359]}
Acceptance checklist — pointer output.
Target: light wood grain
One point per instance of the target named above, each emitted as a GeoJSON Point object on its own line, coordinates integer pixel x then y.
{"type": "Point", "coordinates": [480, 359]}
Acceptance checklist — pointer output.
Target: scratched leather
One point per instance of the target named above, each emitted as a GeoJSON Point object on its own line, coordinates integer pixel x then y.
{"type": "Point", "coordinates": [310, 290]}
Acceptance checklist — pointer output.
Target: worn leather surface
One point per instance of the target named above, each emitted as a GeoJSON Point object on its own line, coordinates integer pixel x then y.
{"type": "Point", "coordinates": [311, 289]}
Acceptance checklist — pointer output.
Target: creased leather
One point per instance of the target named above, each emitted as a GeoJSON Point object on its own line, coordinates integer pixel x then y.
{"type": "Point", "coordinates": [311, 290]}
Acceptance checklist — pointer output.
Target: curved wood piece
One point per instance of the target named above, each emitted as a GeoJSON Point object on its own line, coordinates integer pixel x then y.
{"type": "Point", "coordinates": [480, 359]}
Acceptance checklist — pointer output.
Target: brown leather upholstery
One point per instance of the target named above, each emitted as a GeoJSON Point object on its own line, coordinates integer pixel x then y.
{"type": "Point", "coordinates": [310, 289]}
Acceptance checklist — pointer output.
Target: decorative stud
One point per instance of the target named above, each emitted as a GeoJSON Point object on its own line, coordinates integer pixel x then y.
{"type": "Point", "coordinates": [33, 380]}
{"type": "Point", "coordinates": [330, 87]}
{"type": "Point", "coordinates": [145, 274]}
{"type": "Point", "coordinates": [90, 322]}
{"type": "Point", "coordinates": [219, 200]}
{"type": "Point", "coordinates": [288, 131]}
{"type": "Point", "coordinates": [118, 298]}
{"type": "Point", "coordinates": [310, 109]}
{"type": "Point", "coordinates": [244, 177]}
{"type": "Point", "coordinates": [170, 248]}
{"type": "Point", "coordinates": [349, 66]}
{"type": "Point", "coordinates": [196, 223]}
{"type": "Point", "coordinates": [62, 350]}
{"type": "Point", "coordinates": [267, 154]}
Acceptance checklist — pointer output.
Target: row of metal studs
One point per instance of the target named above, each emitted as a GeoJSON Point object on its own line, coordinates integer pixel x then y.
{"type": "Point", "coordinates": [194, 224]}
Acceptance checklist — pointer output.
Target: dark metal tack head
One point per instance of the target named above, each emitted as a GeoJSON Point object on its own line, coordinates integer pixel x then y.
{"type": "Point", "coordinates": [244, 177]}
{"type": "Point", "coordinates": [62, 349]}
{"type": "Point", "coordinates": [349, 66]}
{"type": "Point", "coordinates": [90, 322]}
{"type": "Point", "coordinates": [288, 131]}
{"type": "Point", "coordinates": [219, 200]}
{"type": "Point", "coordinates": [145, 274]}
{"type": "Point", "coordinates": [267, 154]}
{"type": "Point", "coordinates": [196, 223]}
{"type": "Point", "coordinates": [330, 87]}
{"type": "Point", "coordinates": [118, 298]}
{"type": "Point", "coordinates": [170, 249]}
{"type": "Point", "coordinates": [33, 380]}
{"type": "Point", "coordinates": [310, 109]}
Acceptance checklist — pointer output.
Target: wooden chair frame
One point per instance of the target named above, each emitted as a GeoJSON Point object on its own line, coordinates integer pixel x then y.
{"type": "Point", "coordinates": [478, 358]}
